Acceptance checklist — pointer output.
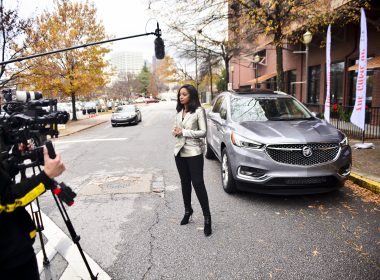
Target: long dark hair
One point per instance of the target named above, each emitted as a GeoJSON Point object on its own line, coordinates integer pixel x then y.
{"type": "Point", "coordinates": [194, 102]}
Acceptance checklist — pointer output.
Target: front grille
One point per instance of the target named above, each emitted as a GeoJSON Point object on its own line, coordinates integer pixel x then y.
{"type": "Point", "coordinates": [303, 154]}
{"type": "Point", "coordinates": [304, 181]}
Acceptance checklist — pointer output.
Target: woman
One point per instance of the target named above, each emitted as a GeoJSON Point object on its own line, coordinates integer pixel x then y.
{"type": "Point", "coordinates": [189, 128]}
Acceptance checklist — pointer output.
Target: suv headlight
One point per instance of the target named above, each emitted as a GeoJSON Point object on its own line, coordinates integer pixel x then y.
{"type": "Point", "coordinates": [241, 141]}
{"type": "Point", "coordinates": [344, 142]}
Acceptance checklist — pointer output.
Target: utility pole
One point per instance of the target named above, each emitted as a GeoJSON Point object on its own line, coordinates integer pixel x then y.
{"type": "Point", "coordinates": [210, 71]}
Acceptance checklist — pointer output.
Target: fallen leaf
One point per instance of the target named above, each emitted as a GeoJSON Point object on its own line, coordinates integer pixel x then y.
{"type": "Point", "coordinates": [316, 253]}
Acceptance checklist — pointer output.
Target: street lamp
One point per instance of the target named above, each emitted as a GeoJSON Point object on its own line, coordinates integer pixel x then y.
{"type": "Point", "coordinates": [307, 37]}
{"type": "Point", "coordinates": [256, 60]}
{"type": "Point", "coordinates": [196, 58]}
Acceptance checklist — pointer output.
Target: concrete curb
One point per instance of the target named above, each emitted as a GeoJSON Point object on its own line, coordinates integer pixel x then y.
{"type": "Point", "coordinates": [83, 128]}
{"type": "Point", "coordinates": [365, 182]}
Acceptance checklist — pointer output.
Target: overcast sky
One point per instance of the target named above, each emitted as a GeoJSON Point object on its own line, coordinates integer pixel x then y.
{"type": "Point", "coordinates": [120, 17]}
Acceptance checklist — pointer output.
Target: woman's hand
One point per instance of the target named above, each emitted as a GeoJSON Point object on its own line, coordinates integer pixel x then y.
{"type": "Point", "coordinates": [177, 132]}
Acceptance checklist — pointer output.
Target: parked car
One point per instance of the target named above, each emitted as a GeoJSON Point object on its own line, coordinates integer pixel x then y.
{"type": "Point", "coordinates": [66, 107]}
{"type": "Point", "coordinates": [151, 100]}
{"type": "Point", "coordinates": [269, 142]}
{"type": "Point", "coordinates": [90, 108]}
{"type": "Point", "coordinates": [126, 114]}
{"type": "Point", "coordinates": [109, 105]}
{"type": "Point", "coordinates": [140, 100]}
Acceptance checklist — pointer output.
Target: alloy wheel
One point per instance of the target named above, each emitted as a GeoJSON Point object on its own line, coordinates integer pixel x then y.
{"type": "Point", "coordinates": [225, 171]}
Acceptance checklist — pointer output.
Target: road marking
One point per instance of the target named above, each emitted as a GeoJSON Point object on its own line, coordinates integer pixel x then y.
{"type": "Point", "coordinates": [61, 243]}
{"type": "Point", "coordinates": [90, 140]}
{"type": "Point", "coordinates": [50, 253]}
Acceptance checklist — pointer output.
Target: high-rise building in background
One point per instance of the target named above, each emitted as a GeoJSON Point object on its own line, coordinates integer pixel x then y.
{"type": "Point", "coordinates": [127, 62]}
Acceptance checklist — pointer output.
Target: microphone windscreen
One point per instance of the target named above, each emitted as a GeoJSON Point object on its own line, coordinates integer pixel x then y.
{"type": "Point", "coordinates": [159, 48]}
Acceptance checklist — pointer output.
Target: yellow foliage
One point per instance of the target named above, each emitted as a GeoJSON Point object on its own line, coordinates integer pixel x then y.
{"type": "Point", "coordinates": [79, 71]}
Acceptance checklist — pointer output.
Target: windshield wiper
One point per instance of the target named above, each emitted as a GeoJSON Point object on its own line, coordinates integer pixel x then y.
{"type": "Point", "coordinates": [289, 119]}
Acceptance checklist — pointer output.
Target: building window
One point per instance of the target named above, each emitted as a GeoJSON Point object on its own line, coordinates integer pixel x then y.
{"type": "Point", "coordinates": [353, 77]}
{"type": "Point", "coordinates": [272, 83]}
{"type": "Point", "coordinates": [336, 82]}
{"type": "Point", "coordinates": [313, 84]}
{"type": "Point", "coordinates": [291, 78]}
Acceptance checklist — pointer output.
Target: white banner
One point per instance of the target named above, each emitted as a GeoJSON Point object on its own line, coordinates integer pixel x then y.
{"type": "Point", "coordinates": [328, 66]}
{"type": "Point", "coordinates": [358, 114]}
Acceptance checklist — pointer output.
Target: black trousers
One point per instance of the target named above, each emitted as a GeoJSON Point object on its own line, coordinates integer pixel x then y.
{"type": "Point", "coordinates": [190, 170]}
{"type": "Point", "coordinates": [28, 270]}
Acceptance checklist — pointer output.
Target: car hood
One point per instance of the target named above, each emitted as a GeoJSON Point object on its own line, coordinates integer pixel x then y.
{"type": "Point", "coordinates": [124, 114]}
{"type": "Point", "coordinates": [304, 131]}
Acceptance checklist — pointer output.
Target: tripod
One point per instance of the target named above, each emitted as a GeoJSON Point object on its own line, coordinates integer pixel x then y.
{"type": "Point", "coordinates": [37, 218]}
{"type": "Point", "coordinates": [61, 193]}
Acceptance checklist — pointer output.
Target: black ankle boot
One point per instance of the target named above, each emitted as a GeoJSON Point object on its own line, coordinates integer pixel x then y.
{"type": "Point", "coordinates": [186, 217]}
{"type": "Point", "coordinates": [207, 229]}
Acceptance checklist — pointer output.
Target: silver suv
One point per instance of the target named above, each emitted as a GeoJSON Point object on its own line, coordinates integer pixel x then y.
{"type": "Point", "coordinates": [269, 142]}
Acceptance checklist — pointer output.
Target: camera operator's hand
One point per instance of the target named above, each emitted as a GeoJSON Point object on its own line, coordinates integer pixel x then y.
{"type": "Point", "coordinates": [53, 167]}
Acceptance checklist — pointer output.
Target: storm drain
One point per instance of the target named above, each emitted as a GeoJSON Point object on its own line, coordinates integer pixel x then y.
{"type": "Point", "coordinates": [134, 183]}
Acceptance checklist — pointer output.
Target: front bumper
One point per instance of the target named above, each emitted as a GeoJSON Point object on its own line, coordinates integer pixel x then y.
{"type": "Point", "coordinates": [255, 170]}
{"type": "Point", "coordinates": [124, 120]}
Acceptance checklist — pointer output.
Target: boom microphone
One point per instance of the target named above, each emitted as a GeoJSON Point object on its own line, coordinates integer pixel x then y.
{"type": "Point", "coordinates": [159, 46]}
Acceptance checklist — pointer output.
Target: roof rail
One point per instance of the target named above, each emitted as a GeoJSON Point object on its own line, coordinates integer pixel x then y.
{"type": "Point", "coordinates": [280, 92]}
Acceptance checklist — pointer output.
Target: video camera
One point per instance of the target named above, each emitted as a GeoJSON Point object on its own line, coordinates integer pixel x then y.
{"type": "Point", "coordinates": [27, 115]}
{"type": "Point", "coordinates": [26, 119]}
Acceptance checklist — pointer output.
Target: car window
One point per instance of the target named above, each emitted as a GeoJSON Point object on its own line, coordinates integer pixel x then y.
{"type": "Point", "coordinates": [218, 104]}
{"type": "Point", "coordinates": [267, 108]}
{"type": "Point", "coordinates": [125, 109]}
{"type": "Point", "coordinates": [223, 110]}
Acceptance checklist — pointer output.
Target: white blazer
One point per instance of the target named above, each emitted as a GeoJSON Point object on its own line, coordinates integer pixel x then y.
{"type": "Point", "coordinates": [194, 128]}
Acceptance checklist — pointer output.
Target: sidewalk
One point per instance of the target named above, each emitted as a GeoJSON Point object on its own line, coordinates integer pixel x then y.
{"type": "Point", "coordinates": [89, 121]}
{"type": "Point", "coordinates": [365, 162]}
{"type": "Point", "coordinates": [366, 165]}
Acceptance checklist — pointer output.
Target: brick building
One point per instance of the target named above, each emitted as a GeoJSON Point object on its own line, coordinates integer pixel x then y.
{"type": "Point", "coordinates": [245, 73]}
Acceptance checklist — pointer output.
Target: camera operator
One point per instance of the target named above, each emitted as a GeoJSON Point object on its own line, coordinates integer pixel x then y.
{"type": "Point", "coordinates": [17, 230]}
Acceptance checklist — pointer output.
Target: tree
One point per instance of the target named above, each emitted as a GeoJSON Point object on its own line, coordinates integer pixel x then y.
{"type": "Point", "coordinates": [119, 89]}
{"type": "Point", "coordinates": [222, 83]}
{"type": "Point", "coordinates": [152, 87]}
{"type": "Point", "coordinates": [144, 79]}
{"type": "Point", "coordinates": [200, 29]}
{"type": "Point", "coordinates": [12, 28]}
{"type": "Point", "coordinates": [167, 70]}
{"type": "Point", "coordinates": [80, 71]}
{"type": "Point", "coordinates": [284, 20]}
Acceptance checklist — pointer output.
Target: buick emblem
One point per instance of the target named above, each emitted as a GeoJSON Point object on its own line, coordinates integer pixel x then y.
{"type": "Point", "coordinates": [307, 151]}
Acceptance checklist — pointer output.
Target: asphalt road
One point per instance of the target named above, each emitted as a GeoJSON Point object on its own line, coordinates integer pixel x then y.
{"type": "Point", "coordinates": [129, 206]}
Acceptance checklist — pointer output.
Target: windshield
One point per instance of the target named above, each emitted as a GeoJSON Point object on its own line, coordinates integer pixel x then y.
{"type": "Point", "coordinates": [125, 109]}
{"type": "Point", "coordinates": [267, 109]}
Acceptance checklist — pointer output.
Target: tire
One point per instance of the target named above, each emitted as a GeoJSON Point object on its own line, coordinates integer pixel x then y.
{"type": "Point", "coordinates": [228, 181]}
{"type": "Point", "coordinates": [209, 154]}
{"type": "Point", "coordinates": [114, 125]}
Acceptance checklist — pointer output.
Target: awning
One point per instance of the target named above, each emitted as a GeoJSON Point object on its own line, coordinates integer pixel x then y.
{"type": "Point", "coordinates": [263, 78]}
{"type": "Point", "coordinates": [371, 63]}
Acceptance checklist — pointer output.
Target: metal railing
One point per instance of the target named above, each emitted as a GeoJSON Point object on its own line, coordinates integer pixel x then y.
{"type": "Point", "coordinates": [340, 118]}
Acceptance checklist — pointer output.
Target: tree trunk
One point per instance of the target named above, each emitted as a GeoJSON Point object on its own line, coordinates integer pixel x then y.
{"type": "Point", "coordinates": [210, 72]}
{"type": "Point", "coordinates": [279, 69]}
{"type": "Point", "coordinates": [226, 64]}
{"type": "Point", "coordinates": [74, 109]}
